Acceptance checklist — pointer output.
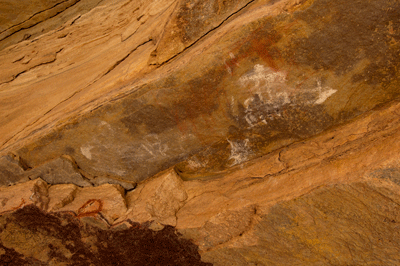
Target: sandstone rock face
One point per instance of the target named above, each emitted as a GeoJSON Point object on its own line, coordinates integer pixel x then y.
{"type": "Point", "coordinates": [11, 171]}
{"type": "Point", "coordinates": [246, 132]}
{"type": "Point", "coordinates": [254, 77]}
{"type": "Point", "coordinates": [332, 199]}
{"type": "Point", "coordinates": [26, 20]}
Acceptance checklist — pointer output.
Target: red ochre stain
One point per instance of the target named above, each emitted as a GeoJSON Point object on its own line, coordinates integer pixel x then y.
{"type": "Point", "coordinates": [261, 43]}
{"type": "Point", "coordinates": [22, 204]}
{"type": "Point", "coordinates": [90, 208]}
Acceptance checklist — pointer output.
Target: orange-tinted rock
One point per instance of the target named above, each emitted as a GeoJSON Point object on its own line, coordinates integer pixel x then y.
{"type": "Point", "coordinates": [159, 199]}
{"type": "Point", "coordinates": [330, 199]}
{"type": "Point", "coordinates": [266, 132]}
{"type": "Point", "coordinates": [336, 224]}
{"type": "Point", "coordinates": [28, 20]}
{"type": "Point", "coordinates": [23, 194]}
{"type": "Point", "coordinates": [105, 202]}
{"type": "Point", "coordinates": [266, 74]}
{"type": "Point", "coordinates": [61, 195]}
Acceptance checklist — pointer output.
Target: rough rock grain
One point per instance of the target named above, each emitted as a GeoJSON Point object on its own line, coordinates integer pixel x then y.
{"type": "Point", "coordinates": [59, 171]}
{"type": "Point", "coordinates": [11, 171]}
{"type": "Point", "coordinates": [254, 77]}
{"type": "Point", "coordinates": [246, 132]}
{"type": "Point", "coordinates": [332, 199]}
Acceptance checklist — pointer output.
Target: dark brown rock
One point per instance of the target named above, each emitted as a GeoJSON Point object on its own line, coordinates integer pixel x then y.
{"type": "Point", "coordinates": [11, 171]}
{"type": "Point", "coordinates": [65, 240]}
{"type": "Point", "coordinates": [59, 171]}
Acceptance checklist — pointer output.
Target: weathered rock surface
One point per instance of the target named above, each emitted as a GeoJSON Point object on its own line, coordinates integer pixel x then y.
{"type": "Point", "coordinates": [58, 171]}
{"type": "Point", "coordinates": [21, 21]}
{"type": "Point", "coordinates": [246, 132]}
{"type": "Point", "coordinates": [239, 80]}
{"type": "Point", "coordinates": [11, 171]}
{"type": "Point", "coordinates": [331, 200]}
{"type": "Point", "coordinates": [62, 170]}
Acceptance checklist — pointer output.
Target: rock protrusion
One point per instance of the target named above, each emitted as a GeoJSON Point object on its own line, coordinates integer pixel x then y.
{"type": "Point", "coordinates": [11, 171]}
{"type": "Point", "coordinates": [157, 199]}
{"type": "Point", "coordinates": [59, 171]}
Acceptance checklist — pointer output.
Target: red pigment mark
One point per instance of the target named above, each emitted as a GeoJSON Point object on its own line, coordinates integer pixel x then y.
{"type": "Point", "coordinates": [181, 126]}
{"type": "Point", "coordinates": [90, 208]}
{"type": "Point", "coordinates": [263, 44]}
{"type": "Point", "coordinates": [201, 137]}
{"type": "Point", "coordinates": [230, 64]}
{"type": "Point", "coordinates": [22, 204]}
{"type": "Point", "coordinates": [136, 226]}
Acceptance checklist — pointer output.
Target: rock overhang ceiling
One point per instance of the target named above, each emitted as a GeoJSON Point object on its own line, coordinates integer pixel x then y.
{"type": "Point", "coordinates": [201, 89]}
{"type": "Point", "coordinates": [248, 79]}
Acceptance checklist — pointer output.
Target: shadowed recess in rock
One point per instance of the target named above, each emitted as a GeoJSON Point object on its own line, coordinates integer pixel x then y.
{"type": "Point", "coordinates": [31, 237]}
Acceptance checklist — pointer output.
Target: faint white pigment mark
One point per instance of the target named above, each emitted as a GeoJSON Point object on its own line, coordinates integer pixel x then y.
{"type": "Point", "coordinates": [267, 80]}
{"type": "Point", "coordinates": [194, 163]}
{"type": "Point", "coordinates": [239, 151]}
{"type": "Point", "coordinates": [117, 172]}
{"type": "Point", "coordinates": [270, 93]}
{"type": "Point", "coordinates": [86, 151]}
{"type": "Point", "coordinates": [232, 60]}
{"type": "Point", "coordinates": [154, 147]}
{"type": "Point", "coordinates": [228, 68]}
{"type": "Point", "coordinates": [104, 123]}
{"type": "Point", "coordinates": [283, 97]}
{"type": "Point", "coordinates": [324, 93]}
{"type": "Point", "coordinates": [263, 78]}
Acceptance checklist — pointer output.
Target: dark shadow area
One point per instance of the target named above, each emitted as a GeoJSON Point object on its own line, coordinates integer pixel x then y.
{"type": "Point", "coordinates": [65, 240]}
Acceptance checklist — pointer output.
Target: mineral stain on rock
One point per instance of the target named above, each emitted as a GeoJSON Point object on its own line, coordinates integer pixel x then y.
{"type": "Point", "coordinates": [70, 242]}
{"type": "Point", "coordinates": [351, 31]}
{"type": "Point", "coordinates": [270, 81]}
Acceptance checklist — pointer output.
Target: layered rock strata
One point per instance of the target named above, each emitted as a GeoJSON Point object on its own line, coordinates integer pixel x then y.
{"type": "Point", "coordinates": [238, 80]}
{"type": "Point", "coordinates": [245, 132]}
{"type": "Point", "coordinates": [332, 200]}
